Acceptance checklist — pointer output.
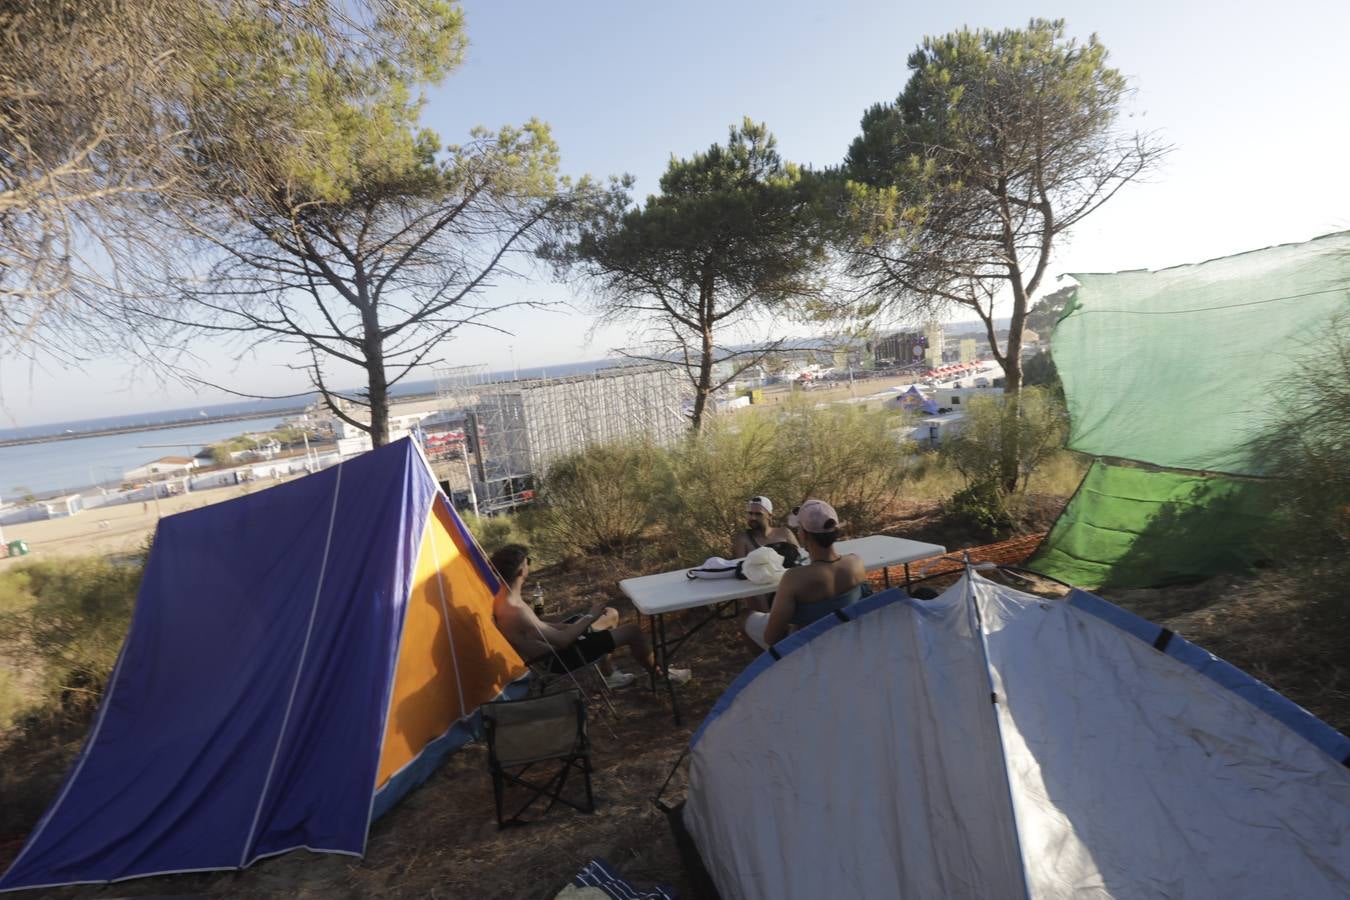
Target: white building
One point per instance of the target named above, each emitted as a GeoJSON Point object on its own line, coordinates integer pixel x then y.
{"type": "Point", "coordinates": [933, 430]}
{"type": "Point", "coordinates": [164, 467]}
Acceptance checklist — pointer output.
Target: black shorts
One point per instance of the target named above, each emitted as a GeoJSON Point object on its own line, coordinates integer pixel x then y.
{"type": "Point", "coordinates": [584, 650]}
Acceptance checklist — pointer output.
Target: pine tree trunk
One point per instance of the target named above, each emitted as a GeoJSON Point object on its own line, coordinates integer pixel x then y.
{"type": "Point", "coordinates": [704, 387]}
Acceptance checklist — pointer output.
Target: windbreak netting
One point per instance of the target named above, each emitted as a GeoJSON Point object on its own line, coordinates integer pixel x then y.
{"type": "Point", "coordinates": [1177, 367]}
{"type": "Point", "coordinates": [1132, 527]}
{"type": "Point", "coordinates": [1182, 369]}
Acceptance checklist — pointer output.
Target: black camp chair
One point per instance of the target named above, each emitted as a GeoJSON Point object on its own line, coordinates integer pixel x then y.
{"type": "Point", "coordinates": [525, 734]}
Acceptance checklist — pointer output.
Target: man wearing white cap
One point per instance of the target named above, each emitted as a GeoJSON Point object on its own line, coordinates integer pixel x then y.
{"type": "Point", "coordinates": [831, 581]}
{"type": "Point", "coordinates": [759, 528]}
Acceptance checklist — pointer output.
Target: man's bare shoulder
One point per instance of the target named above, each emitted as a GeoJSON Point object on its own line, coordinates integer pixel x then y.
{"type": "Point", "coordinates": [799, 579]}
{"type": "Point", "coordinates": [511, 613]}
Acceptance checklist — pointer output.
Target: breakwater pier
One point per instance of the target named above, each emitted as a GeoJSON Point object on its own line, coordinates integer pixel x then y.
{"type": "Point", "coordinates": [186, 422]}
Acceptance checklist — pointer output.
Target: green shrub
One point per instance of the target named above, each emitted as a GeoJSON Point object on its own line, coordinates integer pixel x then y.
{"type": "Point", "coordinates": [1307, 446]}
{"type": "Point", "coordinates": [845, 455]}
{"type": "Point", "coordinates": [1029, 431]}
{"type": "Point", "coordinates": [982, 507]}
{"type": "Point", "coordinates": [62, 623]}
{"type": "Point", "coordinates": [493, 532]}
{"type": "Point", "coordinates": [602, 499]}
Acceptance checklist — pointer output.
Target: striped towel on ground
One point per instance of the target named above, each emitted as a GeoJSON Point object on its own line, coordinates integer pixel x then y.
{"type": "Point", "coordinates": [598, 874]}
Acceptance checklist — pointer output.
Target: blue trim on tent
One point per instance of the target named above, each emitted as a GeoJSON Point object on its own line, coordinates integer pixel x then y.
{"type": "Point", "coordinates": [1257, 693]}
{"type": "Point", "coordinates": [793, 642]}
{"type": "Point", "coordinates": [1123, 619]}
{"type": "Point", "coordinates": [424, 764]}
{"type": "Point", "coordinates": [480, 562]}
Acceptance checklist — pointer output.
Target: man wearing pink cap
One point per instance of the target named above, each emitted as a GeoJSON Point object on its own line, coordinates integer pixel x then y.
{"type": "Point", "coordinates": [831, 581]}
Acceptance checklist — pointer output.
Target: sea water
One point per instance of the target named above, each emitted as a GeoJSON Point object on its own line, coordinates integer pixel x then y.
{"type": "Point", "coordinates": [70, 465]}
{"type": "Point", "coordinates": [66, 466]}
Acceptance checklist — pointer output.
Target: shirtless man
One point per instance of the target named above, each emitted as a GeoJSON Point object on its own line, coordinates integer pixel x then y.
{"type": "Point", "coordinates": [829, 582]}
{"type": "Point", "coordinates": [759, 528]}
{"type": "Point", "coordinates": [564, 646]}
{"type": "Point", "coordinates": [758, 532]}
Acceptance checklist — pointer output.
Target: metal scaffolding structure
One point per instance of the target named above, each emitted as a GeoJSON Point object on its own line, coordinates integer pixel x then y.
{"type": "Point", "coordinates": [515, 429]}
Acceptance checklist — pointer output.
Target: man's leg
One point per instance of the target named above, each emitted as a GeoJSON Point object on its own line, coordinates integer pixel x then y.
{"type": "Point", "coordinates": [752, 630]}
{"type": "Point", "coordinates": [631, 636]}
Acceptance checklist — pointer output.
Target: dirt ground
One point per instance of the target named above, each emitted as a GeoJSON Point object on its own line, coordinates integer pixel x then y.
{"type": "Point", "coordinates": [442, 841]}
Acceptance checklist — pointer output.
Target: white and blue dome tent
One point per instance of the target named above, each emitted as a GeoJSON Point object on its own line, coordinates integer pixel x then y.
{"type": "Point", "coordinates": [991, 743]}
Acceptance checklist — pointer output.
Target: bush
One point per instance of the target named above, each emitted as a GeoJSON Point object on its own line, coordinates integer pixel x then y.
{"type": "Point", "coordinates": [602, 499]}
{"type": "Point", "coordinates": [845, 455]}
{"type": "Point", "coordinates": [984, 508]}
{"type": "Point", "coordinates": [62, 623]}
{"type": "Point", "coordinates": [1306, 447]}
{"type": "Point", "coordinates": [1030, 429]}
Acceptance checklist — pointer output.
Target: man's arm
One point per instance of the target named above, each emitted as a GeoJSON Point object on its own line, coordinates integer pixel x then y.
{"type": "Point", "coordinates": [780, 614]}
{"type": "Point", "coordinates": [740, 545]}
{"type": "Point", "coordinates": [562, 636]}
{"type": "Point", "coordinates": [858, 568]}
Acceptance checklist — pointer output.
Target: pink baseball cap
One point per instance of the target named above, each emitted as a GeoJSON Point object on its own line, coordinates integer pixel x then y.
{"type": "Point", "coordinates": [816, 517]}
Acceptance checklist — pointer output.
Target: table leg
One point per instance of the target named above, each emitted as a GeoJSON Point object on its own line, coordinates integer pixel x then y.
{"type": "Point", "coordinates": [663, 665]}
{"type": "Point", "coordinates": [657, 652]}
{"type": "Point", "coordinates": [907, 581]}
{"type": "Point", "coordinates": [886, 574]}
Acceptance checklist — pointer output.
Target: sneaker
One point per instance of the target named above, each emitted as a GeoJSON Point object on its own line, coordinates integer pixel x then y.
{"type": "Point", "coordinates": [679, 676]}
{"type": "Point", "coordinates": [617, 679]}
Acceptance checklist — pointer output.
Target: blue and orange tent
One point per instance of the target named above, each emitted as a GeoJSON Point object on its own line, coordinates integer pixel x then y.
{"type": "Point", "coordinates": [298, 660]}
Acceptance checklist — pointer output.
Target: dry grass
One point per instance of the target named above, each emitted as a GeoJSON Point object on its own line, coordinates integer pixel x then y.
{"type": "Point", "coordinates": [1265, 625]}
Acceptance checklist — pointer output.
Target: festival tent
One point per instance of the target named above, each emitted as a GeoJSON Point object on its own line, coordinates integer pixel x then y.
{"type": "Point", "coordinates": [991, 744]}
{"type": "Point", "coordinates": [1170, 377]}
{"type": "Point", "coordinates": [298, 659]}
{"type": "Point", "coordinates": [914, 400]}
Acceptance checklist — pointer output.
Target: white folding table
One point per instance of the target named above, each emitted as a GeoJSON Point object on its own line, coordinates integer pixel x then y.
{"type": "Point", "coordinates": [655, 596]}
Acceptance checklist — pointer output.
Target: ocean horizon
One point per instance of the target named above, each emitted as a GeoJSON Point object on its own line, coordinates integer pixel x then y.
{"type": "Point", "coordinates": [85, 463]}
{"type": "Point", "coordinates": [146, 421]}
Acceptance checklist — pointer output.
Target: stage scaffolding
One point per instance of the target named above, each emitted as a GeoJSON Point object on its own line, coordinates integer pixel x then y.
{"type": "Point", "coordinates": [523, 426]}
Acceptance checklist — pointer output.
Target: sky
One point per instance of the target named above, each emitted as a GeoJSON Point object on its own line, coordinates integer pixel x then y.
{"type": "Point", "coordinates": [1250, 95]}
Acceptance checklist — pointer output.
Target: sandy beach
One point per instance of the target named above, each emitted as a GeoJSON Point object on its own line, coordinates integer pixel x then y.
{"type": "Point", "coordinates": [111, 530]}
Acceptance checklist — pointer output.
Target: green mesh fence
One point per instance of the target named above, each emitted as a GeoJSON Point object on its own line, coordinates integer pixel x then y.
{"type": "Point", "coordinates": [1176, 367]}
{"type": "Point", "coordinates": [1181, 368]}
{"type": "Point", "coordinates": [1131, 527]}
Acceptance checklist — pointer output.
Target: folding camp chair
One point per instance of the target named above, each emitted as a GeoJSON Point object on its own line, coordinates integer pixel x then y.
{"type": "Point", "coordinates": [522, 734]}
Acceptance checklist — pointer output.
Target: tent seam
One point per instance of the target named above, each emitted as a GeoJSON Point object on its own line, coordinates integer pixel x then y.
{"type": "Point", "coordinates": [998, 726]}
{"type": "Point", "coordinates": [389, 696]}
{"type": "Point", "coordinates": [299, 669]}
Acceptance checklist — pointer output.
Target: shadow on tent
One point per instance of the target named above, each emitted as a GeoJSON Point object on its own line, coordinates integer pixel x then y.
{"type": "Point", "coordinates": [1217, 527]}
{"type": "Point", "coordinates": [1133, 527]}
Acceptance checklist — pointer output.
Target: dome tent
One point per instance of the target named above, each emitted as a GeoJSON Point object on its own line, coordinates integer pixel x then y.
{"type": "Point", "coordinates": [298, 659]}
{"type": "Point", "coordinates": [991, 743]}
